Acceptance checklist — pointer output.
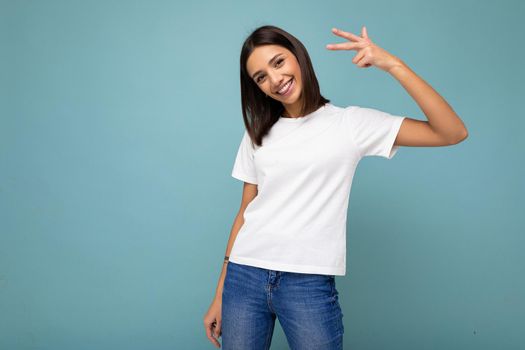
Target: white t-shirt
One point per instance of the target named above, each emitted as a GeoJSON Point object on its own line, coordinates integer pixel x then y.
{"type": "Point", "coordinates": [304, 171]}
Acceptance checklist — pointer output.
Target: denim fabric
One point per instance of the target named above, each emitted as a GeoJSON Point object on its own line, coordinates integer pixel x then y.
{"type": "Point", "coordinates": [306, 305]}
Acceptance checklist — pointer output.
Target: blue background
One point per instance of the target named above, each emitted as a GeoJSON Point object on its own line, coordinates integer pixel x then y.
{"type": "Point", "coordinates": [120, 121]}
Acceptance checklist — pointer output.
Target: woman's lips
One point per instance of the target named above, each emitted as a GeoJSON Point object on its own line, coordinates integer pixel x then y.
{"type": "Point", "coordinates": [290, 84]}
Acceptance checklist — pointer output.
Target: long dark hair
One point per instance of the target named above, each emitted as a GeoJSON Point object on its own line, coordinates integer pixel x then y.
{"type": "Point", "coordinates": [261, 112]}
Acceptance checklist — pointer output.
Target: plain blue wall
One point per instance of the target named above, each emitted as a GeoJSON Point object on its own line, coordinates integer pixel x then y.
{"type": "Point", "coordinates": [120, 121]}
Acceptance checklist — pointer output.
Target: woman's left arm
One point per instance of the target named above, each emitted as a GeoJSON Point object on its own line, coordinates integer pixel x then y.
{"type": "Point", "coordinates": [443, 128]}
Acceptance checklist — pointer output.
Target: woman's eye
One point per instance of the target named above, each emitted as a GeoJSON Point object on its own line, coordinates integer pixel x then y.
{"type": "Point", "coordinates": [278, 62]}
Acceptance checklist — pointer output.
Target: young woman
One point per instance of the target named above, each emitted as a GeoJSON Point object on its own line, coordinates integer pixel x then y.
{"type": "Point", "coordinates": [297, 159]}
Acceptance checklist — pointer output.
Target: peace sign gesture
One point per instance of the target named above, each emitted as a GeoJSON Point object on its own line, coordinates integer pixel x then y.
{"type": "Point", "coordinates": [368, 53]}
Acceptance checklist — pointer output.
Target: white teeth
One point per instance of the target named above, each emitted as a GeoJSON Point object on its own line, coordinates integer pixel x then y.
{"type": "Point", "coordinates": [285, 87]}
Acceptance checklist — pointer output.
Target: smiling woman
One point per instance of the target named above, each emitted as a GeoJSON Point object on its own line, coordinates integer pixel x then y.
{"type": "Point", "coordinates": [297, 158]}
{"type": "Point", "coordinates": [271, 58]}
{"type": "Point", "coordinates": [282, 66]}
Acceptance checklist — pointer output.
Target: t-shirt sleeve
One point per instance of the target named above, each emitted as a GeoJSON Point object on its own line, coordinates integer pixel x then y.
{"type": "Point", "coordinates": [374, 131]}
{"type": "Point", "coordinates": [244, 167]}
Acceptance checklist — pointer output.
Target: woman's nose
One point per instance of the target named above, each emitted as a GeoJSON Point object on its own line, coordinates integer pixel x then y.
{"type": "Point", "coordinates": [276, 81]}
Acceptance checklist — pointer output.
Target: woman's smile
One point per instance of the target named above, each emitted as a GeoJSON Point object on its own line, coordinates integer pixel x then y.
{"type": "Point", "coordinates": [286, 90]}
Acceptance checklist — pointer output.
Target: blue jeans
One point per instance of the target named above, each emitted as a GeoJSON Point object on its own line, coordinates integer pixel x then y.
{"type": "Point", "coordinates": [306, 304]}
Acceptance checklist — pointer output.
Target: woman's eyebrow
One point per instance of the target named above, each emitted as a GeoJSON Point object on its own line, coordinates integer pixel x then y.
{"type": "Point", "coordinates": [269, 62]}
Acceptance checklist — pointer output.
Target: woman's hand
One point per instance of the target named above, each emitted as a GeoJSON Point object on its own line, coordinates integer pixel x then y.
{"type": "Point", "coordinates": [212, 322]}
{"type": "Point", "coordinates": [368, 53]}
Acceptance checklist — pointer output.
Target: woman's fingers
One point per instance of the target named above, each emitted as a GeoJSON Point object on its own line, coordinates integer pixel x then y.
{"type": "Point", "coordinates": [368, 53]}
{"type": "Point", "coordinates": [218, 329]}
{"type": "Point", "coordinates": [347, 46]}
{"type": "Point", "coordinates": [346, 35]}
{"type": "Point", "coordinates": [358, 56]}
{"type": "Point", "coordinates": [343, 46]}
{"type": "Point", "coordinates": [364, 33]}
{"type": "Point", "coordinates": [361, 60]}
{"type": "Point", "coordinates": [209, 330]}
{"type": "Point", "coordinates": [355, 42]}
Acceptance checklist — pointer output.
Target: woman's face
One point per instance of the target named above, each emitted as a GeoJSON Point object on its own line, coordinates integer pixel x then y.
{"type": "Point", "coordinates": [271, 67]}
